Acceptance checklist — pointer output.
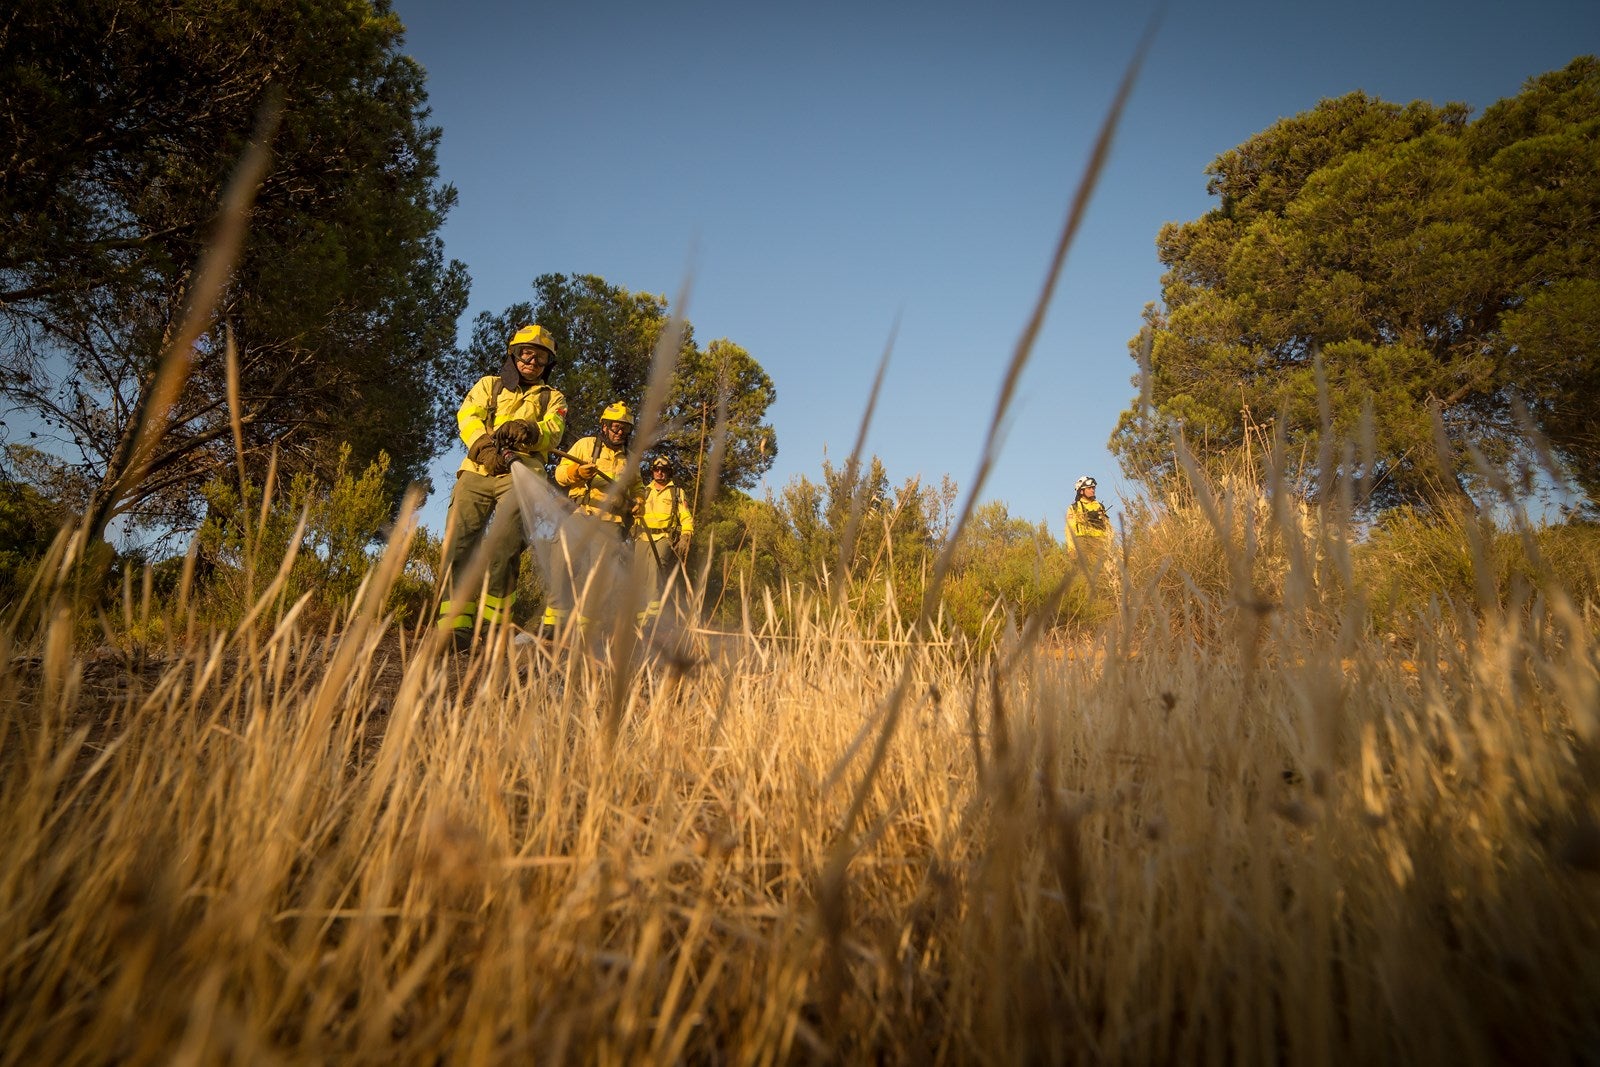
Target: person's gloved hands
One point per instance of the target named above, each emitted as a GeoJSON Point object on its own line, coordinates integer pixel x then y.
{"type": "Point", "coordinates": [680, 548]}
{"type": "Point", "coordinates": [517, 435]}
{"type": "Point", "coordinates": [586, 471]}
{"type": "Point", "coordinates": [484, 451]}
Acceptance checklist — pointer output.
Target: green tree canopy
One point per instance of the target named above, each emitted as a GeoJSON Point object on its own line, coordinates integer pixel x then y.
{"type": "Point", "coordinates": [1436, 265]}
{"type": "Point", "coordinates": [119, 126]}
{"type": "Point", "coordinates": [607, 336]}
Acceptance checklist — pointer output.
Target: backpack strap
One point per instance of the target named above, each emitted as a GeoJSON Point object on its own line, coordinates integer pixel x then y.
{"type": "Point", "coordinates": [545, 392]}
{"type": "Point", "coordinates": [494, 399]}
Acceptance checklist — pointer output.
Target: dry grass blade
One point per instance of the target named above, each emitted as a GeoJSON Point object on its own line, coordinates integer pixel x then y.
{"type": "Point", "coordinates": [933, 592]}
{"type": "Point", "coordinates": [859, 487]}
{"type": "Point", "coordinates": [210, 277]}
{"type": "Point", "coordinates": [1147, 341]}
{"type": "Point", "coordinates": [236, 423]}
{"type": "Point", "coordinates": [990, 454]}
{"type": "Point", "coordinates": [1367, 443]}
{"type": "Point", "coordinates": [1326, 442]}
{"type": "Point", "coordinates": [663, 365]}
{"type": "Point", "coordinates": [709, 479]}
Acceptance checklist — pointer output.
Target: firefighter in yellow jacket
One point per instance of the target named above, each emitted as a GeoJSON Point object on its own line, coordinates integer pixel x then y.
{"type": "Point", "coordinates": [508, 418]}
{"type": "Point", "coordinates": [1088, 525]}
{"type": "Point", "coordinates": [587, 472]}
{"type": "Point", "coordinates": [662, 530]}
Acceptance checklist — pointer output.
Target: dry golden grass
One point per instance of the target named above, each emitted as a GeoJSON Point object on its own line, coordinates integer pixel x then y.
{"type": "Point", "coordinates": [275, 844]}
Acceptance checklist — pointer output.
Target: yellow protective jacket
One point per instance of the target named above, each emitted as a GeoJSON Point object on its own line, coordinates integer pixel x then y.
{"type": "Point", "coordinates": [542, 405]}
{"type": "Point", "coordinates": [1087, 518]}
{"type": "Point", "coordinates": [590, 496]}
{"type": "Point", "coordinates": [657, 510]}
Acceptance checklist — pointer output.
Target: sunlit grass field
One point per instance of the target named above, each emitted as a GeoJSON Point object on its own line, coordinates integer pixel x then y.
{"type": "Point", "coordinates": [1231, 829]}
{"type": "Point", "coordinates": [1292, 795]}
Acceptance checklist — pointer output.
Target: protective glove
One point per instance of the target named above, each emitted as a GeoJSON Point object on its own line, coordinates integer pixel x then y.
{"type": "Point", "coordinates": [517, 435]}
{"type": "Point", "coordinates": [486, 453]}
{"type": "Point", "coordinates": [586, 471]}
{"type": "Point", "coordinates": [680, 548]}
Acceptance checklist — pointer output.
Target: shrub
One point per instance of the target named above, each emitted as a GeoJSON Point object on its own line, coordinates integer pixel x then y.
{"type": "Point", "coordinates": [1220, 542]}
{"type": "Point", "coordinates": [28, 523]}
{"type": "Point", "coordinates": [1008, 568]}
{"type": "Point", "coordinates": [243, 545]}
{"type": "Point", "coordinates": [1412, 558]}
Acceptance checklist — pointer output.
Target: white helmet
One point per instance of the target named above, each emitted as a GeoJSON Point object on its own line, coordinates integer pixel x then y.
{"type": "Point", "coordinates": [1083, 483]}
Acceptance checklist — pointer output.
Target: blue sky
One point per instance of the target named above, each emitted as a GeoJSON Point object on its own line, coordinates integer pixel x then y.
{"type": "Point", "coordinates": [819, 172]}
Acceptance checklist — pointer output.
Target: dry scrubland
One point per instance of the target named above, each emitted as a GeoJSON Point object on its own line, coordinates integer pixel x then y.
{"type": "Point", "coordinates": [1269, 808]}
{"type": "Point", "coordinates": [1234, 824]}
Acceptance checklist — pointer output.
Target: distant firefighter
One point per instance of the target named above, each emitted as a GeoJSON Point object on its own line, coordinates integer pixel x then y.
{"type": "Point", "coordinates": [661, 533]}
{"type": "Point", "coordinates": [1088, 525]}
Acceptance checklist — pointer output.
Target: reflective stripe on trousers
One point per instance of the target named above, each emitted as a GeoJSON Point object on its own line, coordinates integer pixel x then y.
{"type": "Point", "coordinates": [453, 617]}
{"type": "Point", "coordinates": [498, 608]}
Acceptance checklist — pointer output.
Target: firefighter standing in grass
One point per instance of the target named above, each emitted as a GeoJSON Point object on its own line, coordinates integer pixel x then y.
{"type": "Point", "coordinates": [1088, 536]}
{"type": "Point", "coordinates": [507, 418]}
{"type": "Point", "coordinates": [1088, 527]}
{"type": "Point", "coordinates": [662, 532]}
{"type": "Point", "coordinates": [587, 472]}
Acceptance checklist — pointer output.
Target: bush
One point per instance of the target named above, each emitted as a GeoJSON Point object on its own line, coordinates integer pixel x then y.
{"type": "Point", "coordinates": [1411, 558]}
{"type": "Point", "coordinates": [28, 523]}
{"type": "Point", "coordinates": [243, 550]}
{"type": "Point", "coordinates": [1219, 543]}
{"type": "Point", "coordinates": [1008, 568]}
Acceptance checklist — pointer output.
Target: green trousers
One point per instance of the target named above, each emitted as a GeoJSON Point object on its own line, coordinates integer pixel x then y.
{"type": "Point", "coordinates": [482, 513]}
{"type": "Point", "coordinates": [654, 558]}
{"type": "Point", "coordinates": [582, 563]}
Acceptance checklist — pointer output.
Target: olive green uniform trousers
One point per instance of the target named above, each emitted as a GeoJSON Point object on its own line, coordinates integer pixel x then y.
{"type": "Point", "coordinates": [483, 513]}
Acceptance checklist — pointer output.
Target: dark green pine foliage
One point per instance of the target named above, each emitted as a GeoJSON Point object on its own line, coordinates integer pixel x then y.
{"type": "Point", "coordinates": [1440, 267]}
{"type": "Point", "coordinates": [119, 127]}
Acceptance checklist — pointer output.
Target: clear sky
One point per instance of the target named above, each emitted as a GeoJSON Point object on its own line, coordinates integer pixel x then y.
{"type": "Point", "coordinates": [821, 171]}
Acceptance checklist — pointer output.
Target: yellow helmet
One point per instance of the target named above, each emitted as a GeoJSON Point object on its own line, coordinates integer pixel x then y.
{"type": "Point", "coordinates": [617, 412]}
{"type": "Point", "coordinates": [532, 335]}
